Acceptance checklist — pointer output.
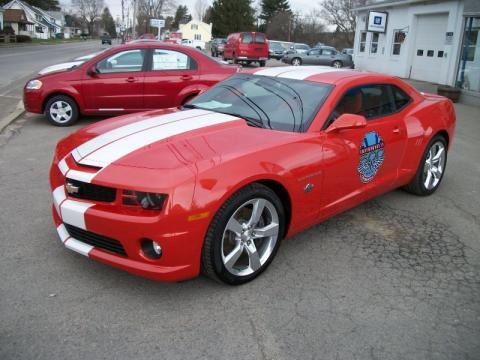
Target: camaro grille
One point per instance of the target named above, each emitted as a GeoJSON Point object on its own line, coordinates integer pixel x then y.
{"type": "Point", "coordinates": [96, 240]}
{"type": "Point", "coordinates": [89, 191]}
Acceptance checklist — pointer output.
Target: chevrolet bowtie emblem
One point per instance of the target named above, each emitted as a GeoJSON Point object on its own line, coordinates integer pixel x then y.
{"type": "Point", "coordinates": [72, 189]}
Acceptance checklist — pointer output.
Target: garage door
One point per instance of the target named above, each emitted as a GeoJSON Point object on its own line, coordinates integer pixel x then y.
{"type": "Point", "coordinates": [429, 55]}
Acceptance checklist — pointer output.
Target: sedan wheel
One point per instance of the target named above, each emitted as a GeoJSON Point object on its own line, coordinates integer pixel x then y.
{"type": "Point", "coordinates": [244, 235]}
{"type": "Point", "coordinates": [431, 169]}
{"type": "Point", "coordinates": [337, 64]}
{"type": "Point", "coordinates": [296, 62]}
{"type": "Point", "coordinates": [61, 110]}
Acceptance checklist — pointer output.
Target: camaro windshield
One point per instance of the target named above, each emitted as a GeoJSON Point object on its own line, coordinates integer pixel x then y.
{"type": "Point", "coordinates": [264, 101]}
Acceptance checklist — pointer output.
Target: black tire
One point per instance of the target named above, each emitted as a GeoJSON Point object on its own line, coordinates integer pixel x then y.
{"type": "Point", "coordinates": [235, 60]}
{"type": "Point", "coordinates": [337, 64]}
{"type": "Point", "coordinates": [211, 263]}
{"type": "Point", "coordinates": [263, 63]}
{"type": "Point", "coordinates": [71, 116]}
{"type": "Point", "coordinates": [417, 185]}
{"type": "Point", "coordinates": [294, 60]}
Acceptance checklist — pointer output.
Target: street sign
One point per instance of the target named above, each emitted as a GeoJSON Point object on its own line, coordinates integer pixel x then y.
{"type": "Point", "coordinates": [157, 23]}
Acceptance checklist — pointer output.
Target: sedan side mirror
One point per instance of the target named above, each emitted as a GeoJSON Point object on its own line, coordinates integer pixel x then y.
{"type": "Point", "coordinates": [347, 121]}
{"type": "Point", "coordinates": [92, 71]}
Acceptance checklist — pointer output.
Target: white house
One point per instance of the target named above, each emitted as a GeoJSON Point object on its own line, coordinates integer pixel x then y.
{"type": "Point", "coordinates": [196, 30]}
{"type": "Point", "coordinates": [431, 40]}
{"type": "Point", "coordinates": [40, 24]}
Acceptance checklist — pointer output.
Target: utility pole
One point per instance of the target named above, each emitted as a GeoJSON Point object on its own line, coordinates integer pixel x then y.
{"type": "Point", "coordinates": [134, 30]}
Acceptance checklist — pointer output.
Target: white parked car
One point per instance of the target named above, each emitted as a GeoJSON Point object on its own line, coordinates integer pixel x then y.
{"type": "Point", "coordinates": [200, 45]}
{"type": "Point", "coordinates": [67, 65]}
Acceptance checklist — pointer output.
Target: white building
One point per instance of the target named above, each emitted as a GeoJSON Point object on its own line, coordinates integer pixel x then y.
{"type": "Point", "coordinates": [1, 17]}
{"type": "Point", "coordinates": [431, 40]}
{"type": "Point", "coordinates": [196, 30]}
{"type": "Point", "coordinates": [39, 24]}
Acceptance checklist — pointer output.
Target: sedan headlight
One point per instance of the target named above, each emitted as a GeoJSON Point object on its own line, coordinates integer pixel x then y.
{"type": "Point", "coordinates": [34, 84]}
{"type": "Point", "coordinates": [148, 201]}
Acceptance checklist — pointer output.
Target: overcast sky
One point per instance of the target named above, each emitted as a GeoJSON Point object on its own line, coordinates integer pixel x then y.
{"type": "Point", "coordinates": [302, 6]}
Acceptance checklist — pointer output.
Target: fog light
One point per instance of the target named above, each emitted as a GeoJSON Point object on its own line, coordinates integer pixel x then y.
{"type": "Point", "coordinates": [151, 249]}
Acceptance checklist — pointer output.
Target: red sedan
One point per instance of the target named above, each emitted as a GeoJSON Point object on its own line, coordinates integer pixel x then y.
{"type": "Point", "coordinates": [215, 186]}
{"type": "Point", "coordinates": [127, 78]}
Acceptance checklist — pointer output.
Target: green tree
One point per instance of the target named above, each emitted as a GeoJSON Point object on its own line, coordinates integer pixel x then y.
{"type": "Point", "coordinates": [108, 23]}
{"type": "Point", "coordinates": [181, 16]}
{"type": "Point", "coordinates": [230, 16]}
{"type": "Point", "coordinates": [271, 7]}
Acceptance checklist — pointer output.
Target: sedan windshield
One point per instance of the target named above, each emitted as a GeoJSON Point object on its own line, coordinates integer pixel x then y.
{"type": "Point", "coordinates": [264, 101]}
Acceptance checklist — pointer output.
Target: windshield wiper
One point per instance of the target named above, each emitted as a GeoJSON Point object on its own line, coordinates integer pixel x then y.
{"type": "Point", "coordinates": [251, 121]}
{"type": "Point", "coordinates": [189, 106]}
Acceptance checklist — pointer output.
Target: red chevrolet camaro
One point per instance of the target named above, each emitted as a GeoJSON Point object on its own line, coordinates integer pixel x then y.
{"type": "Point", "coordinates": [138, 76]}
{"type": "Point", "coordinates": [215, 185]}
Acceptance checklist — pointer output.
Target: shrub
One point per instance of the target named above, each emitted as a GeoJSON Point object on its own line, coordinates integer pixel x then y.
{"type": "Point", "coordinates": [8, 30]}
{"type": "Point", "coordinates": [24, 38]}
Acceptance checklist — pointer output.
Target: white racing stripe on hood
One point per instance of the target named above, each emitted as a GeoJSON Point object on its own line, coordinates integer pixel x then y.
{"type": "Point", "coordinates": [296, 72]}
{"type": "Point", "coordinates": [116, 134]}
{"type": "Point", "coordinates": [127, 144]}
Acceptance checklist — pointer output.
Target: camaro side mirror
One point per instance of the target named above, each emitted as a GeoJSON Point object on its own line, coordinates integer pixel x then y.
{"type": "Point", "coordinates": [92, 71]}
{"type": "Point", "coordinates": [347, 121]}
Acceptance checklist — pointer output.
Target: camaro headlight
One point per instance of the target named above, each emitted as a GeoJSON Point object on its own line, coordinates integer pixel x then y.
{"type": "Point", "coordinates": [148, 201]}
{"type": "Point", "coordinates": [34, 85]}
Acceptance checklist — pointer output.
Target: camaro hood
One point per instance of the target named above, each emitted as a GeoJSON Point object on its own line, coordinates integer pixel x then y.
{"type": "Point", "coordinates": [167, 139]}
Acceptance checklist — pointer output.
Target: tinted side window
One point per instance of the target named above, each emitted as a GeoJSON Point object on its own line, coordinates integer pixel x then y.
{"type": "Point", "coordinates": [400, 97]}
{"type": "Point", "coordinates": [314, 52]}
{"type": "Point", "coordinates": [124, 61]}
{"type": "Point", "coordinates": [328, 52]}
{"type": "Point", "coordinates": [247, 38]}
{"type": "Point", "coordinates": [377, 101]}
{"type": "Point", "coordinates": [171, 60]}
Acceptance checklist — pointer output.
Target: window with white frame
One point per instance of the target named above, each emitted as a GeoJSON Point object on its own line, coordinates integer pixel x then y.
{"type": "Point", "coordinates": [398, 40]}
{"type": "Point", "coordinates": [363, 41]}
{"type": "Point", "coordinates": [194, 27]}
{"type": "Point", "coordinates": [198, 36]}
{"type": "Point", "coordinates": [374, 43]}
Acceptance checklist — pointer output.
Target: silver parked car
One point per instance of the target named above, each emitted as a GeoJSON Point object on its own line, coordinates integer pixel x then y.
{"type": "Point", "coordinates": [324, 55]}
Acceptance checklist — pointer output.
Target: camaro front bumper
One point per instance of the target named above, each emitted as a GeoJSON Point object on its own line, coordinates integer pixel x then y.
{"type": "Point", "coordinates": [112, 235]}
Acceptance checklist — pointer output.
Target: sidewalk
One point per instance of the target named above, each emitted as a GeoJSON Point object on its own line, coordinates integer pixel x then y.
{"type": "Point", "coordinates": [10, 109]}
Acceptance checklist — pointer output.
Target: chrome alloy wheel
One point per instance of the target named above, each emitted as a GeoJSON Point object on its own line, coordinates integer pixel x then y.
{"type": "Point", "coordinates": [434, 165]}
{"type": "Point", "coordinates": [61, 111]}
{"type": "Point", "coordinates": [250, 237]}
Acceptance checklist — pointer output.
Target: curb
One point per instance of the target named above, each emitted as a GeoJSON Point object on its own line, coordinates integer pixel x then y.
{"type": "Point", "coordinates": [20, 110]}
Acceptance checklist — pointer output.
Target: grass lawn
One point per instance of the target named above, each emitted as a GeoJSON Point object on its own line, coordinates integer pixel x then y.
{"type": "Point", "coordinates": [42, 42]}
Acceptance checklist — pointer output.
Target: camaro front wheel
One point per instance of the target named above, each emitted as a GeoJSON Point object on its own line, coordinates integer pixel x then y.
{"type": "Point", "coordinates": [244, 235]}
{"type": "Point", "coordinates": [431, 169]}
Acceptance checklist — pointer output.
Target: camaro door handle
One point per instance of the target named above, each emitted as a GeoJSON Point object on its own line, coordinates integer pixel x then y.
{"type": "Point", "coordinates": [131, 79]}
{"type": "Point", "coordinates": [186, 77]}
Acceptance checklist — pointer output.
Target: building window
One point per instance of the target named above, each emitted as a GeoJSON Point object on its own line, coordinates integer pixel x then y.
{"type": "Point", "coordinates": [374, 43]}
{"type": "Point", "coordinates": [363, 41]}
{"type": "Point", "coordinates": [398, 40]}
{"type": "Point", "coordinates": [468, 77]}
{"type": "Point", "coordinates": [194, 27]}
{"type": "Point", "coordinates": [198, 37]}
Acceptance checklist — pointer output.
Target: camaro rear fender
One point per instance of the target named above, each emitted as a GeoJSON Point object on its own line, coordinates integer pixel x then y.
{"type": "Point", "coordinates": [434, 115]}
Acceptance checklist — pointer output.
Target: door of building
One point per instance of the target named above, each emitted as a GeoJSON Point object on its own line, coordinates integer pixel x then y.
{"type": "Point", "coordinates": [429, 55]}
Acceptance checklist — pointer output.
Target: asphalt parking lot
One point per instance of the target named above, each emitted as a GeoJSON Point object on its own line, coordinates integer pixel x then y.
{"type": "Point", "coordinates": [396, 278]}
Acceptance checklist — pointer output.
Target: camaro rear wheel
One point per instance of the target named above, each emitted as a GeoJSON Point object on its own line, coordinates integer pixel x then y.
{"type": "Point", "coordinates": [244, 235]}
{"type": "Point", "coordinates": [61, 110]}
{"type": "Point", "coordinates": [431, 169]}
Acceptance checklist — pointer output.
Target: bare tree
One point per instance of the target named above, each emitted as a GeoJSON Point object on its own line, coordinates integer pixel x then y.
{"type": "Point", "coordinates": [340, 13]}
{"type": "Point", "coordinates": [200, 8]}
{"type": "Point", "coordinates": [154, 8]}
{"type": "Point", "coordinates": [89, 11]}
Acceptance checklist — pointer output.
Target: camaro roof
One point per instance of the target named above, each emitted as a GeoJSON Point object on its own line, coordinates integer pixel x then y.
{"type": "Point", "coordinates": [321, 74]}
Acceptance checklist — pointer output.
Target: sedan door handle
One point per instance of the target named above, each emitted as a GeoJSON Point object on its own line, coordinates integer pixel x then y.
{"type": "Point", "coordinates": [396, 131]}
{"type": "Point", "coordinates": [186, 77]}
{"type": "Point", "coordinates": [131, 79]}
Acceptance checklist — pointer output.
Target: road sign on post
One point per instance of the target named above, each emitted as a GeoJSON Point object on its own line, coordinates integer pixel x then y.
{"type": "Point", "coordinates": [159, 23]}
